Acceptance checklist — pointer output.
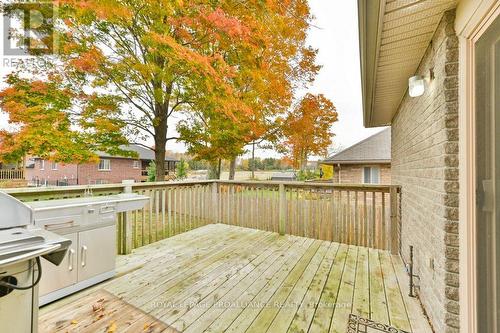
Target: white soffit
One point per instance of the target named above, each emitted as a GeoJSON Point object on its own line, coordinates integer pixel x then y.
{"type": "Point", "coordinates": [404, 29]}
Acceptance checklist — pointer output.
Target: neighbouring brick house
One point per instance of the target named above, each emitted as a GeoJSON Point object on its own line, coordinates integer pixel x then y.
{"type": "Point", "coordinates": [110, 169]}
{"type": "Point", "coordinates": [429, 69]}
{"type": "Point", "coordinates": [366, 162]}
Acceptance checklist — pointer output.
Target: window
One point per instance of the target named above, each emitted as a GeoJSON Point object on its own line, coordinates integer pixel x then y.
{"type": "Point", "coordinates": [101, 181]}
{"type": "Point", "coordinates": [54, 166]}
{"type": "Point", "coordinates": [371, 175]}
{"type": "Point", "coordinates": [42, 165]}
{"type": "Point", "coordinates": [104, 165]}
{"type": "Point", "coordinates": [136, 164]}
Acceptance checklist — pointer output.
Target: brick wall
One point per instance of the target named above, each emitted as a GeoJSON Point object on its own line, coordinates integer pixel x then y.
{"type": "Point", "coordinates": [353, 173]}
{"type": "Point", "coordinates": [63, 171]}
{"type": "Point", "coordinates": [85, 173]}
{"type": "Point", "coordinates": [425, 163]}
{"type": "Point", "coordinates": [120, 169]}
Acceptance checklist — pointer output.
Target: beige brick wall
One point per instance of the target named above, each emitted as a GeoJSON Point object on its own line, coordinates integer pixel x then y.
{"type": "Point", "coordinates": [353, 173]}
{"type": "Point", "coordinates": [425, 163]}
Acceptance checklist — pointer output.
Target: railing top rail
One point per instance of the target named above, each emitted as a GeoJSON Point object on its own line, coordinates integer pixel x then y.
{"type": "Point", "coordinates": [172, 183]}
{"type": "Point", "coordinates": [55, 189]}
{"type": "Point", "coordinates": [296, 184]}
{"type": "Point", "coordinates": [274, 184]}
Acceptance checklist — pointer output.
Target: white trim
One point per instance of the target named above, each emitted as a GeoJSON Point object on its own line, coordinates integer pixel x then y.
{"type": "Point", "coordinates": [104, 169]}
{"type": "Point", "coordinates": [372, 167]}
{"type": "Point", "coordinates": [467, 198]}
{"type": "Point", "coordinates": [472, 18]}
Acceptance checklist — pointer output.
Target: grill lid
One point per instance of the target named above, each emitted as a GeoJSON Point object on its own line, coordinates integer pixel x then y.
{"type": "Point", "coordinates": [20, 244]}
{"type": "Point", "coordinates": [14, 212]}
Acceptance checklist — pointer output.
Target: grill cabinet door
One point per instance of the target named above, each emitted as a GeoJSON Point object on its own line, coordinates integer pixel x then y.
{"type": "Point", "coordinates": [96, 252]}
{"type": "Point", "coordinates": [57, 277]}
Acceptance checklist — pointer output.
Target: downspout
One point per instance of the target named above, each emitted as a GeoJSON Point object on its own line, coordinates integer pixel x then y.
{"type": "Point", "coordinates": [340, 173]}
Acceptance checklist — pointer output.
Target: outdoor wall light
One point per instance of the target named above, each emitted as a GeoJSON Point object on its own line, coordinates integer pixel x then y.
{"type": "Point", "coordinates": [416, 86]}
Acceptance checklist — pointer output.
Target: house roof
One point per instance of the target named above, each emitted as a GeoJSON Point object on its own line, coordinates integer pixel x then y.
{"type": "Point", "coordinates": [143, 153]}
{"type": "Point", "coordinates": [283, 175]}
{"type": "Point", "coordinates": [393, 38]}
{"type": "Point", "coordinates": [374, 149]}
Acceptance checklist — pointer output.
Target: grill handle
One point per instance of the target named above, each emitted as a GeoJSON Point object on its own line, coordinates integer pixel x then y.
{"type": "Point", "coordinates": [55, 226]}
{"type": "Point", "coordinates": [107, 209]}
{"type": "Point", "coordinates": [71, 259]}
{"type": "Point", "coordinates": [84, 255]}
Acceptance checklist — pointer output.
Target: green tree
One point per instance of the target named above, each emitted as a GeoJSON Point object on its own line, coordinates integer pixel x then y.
{"type": "Point", "coordinates": [181, 170]}
{"type": "Point", "coordinates": [151, 171]}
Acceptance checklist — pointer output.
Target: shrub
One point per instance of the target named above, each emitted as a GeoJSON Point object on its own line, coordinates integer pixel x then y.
{"type": "Point", "coordinates": [151, 171]}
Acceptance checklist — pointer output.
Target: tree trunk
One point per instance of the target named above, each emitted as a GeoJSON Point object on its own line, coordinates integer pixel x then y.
{"type": "Point", "coordinates": [160, 141]}
{"type": "Point", "coordinates": [160, 163]}
{"type": "Point", "coordinates": [232, 168]}
{"type": "Point", "coordinates": [213, 170]}
{"type": "Point", "coordinates": [219, 168]}
{"type": "Point", "coordinates": [303, 160]}
{"type": "Point", "coordinates": [252, 166]}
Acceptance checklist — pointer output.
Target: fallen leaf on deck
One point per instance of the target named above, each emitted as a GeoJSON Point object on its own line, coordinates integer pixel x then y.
{"type": "Point", "coordinates": [74, 322]}
{"type": "Point", "coordinates": [97, 307]}
{"type": "Point", "coordinates": [112, 328]}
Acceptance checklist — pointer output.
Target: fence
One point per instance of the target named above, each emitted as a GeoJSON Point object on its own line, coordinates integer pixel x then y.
{"type": "Point", "coordinates": [11, 174]}
{"type": "Point", "coordinates": [365, 215]}
{"type": "Point", "coordinates": [57, 182]}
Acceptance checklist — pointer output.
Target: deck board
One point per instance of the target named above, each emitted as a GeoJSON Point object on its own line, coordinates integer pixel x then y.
{"type": "Point", "coordinates": [220, 278]}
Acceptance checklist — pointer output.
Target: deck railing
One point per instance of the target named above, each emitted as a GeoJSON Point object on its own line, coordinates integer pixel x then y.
{"type": "Point", "coordinates": [366, 215]}
{"type": "Point", "coordinates": [11, 174]}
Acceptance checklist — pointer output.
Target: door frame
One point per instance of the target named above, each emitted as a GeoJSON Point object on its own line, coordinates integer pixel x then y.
{"type": "Point", "coordinates": [473, 17]}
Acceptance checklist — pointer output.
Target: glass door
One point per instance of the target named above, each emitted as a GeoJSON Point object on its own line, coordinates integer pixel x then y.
{"type": "Point", "coordinates": [487, 99]}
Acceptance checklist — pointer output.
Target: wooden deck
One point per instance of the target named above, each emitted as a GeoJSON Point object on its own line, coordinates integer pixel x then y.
{"type": "Point", "coordinates": [221, 278]}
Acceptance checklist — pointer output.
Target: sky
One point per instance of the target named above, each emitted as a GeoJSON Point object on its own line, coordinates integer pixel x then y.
{"type": "Point", "coordinates": [335, 34]}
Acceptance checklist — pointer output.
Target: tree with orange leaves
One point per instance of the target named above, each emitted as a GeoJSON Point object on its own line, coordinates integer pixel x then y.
{"type": "Point", "coordinates": [264, 82]}
{"type": "Point", "coordinates": [308, 129]}
{"type": "Point", "coordinates": [154, 58]}
{"type": "Point", "coordinates": [43, 116]}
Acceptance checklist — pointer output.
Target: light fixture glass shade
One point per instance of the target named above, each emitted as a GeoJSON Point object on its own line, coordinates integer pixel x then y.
{"type": "Point", "coordinates": [416, 86]}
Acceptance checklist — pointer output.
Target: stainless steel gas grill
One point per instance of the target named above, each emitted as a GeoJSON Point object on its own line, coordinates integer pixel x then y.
{"type": "Point", "coordinates": [90, 224]}
{"type": "Point", "coordinates": [21, 246]}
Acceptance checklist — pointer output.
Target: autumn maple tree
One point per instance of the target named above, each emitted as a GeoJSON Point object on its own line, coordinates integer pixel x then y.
{"type": "Point", "coordinates": [43, 114]}
{"type": "Point", "coordinates": [152, 57]}
{"type": "Point", "coordinates": [268, 71]}
{"type": "Point", "coordinates": [124, 68]}
{"type": "Point", "coordinates": [308, 129]}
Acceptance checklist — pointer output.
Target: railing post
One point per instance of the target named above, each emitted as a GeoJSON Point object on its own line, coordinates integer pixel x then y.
{"type": "Point", "coordinates": [215, 202]}
{"type": "Point", "coordinates": [126, 232]}
{"type": "Point", "coordinates": [282, 209]}
{"type": "Point", "coordinates": [393, 197]}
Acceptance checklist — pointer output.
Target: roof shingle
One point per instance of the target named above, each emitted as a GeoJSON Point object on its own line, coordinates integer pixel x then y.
{"type": "Point", "coordinates": [374, 149]}
{"type": "Point", "coordinates": [143, 153]}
